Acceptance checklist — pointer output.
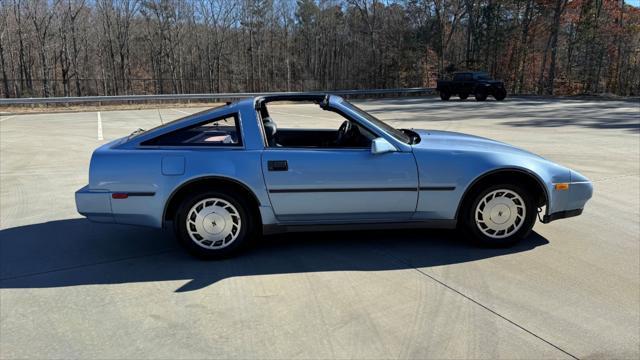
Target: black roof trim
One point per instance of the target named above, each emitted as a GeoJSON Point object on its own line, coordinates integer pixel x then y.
{"type": "Point", "coordinates": [320, 98]}
{"type": "Point", "coordinates": [294, 97]}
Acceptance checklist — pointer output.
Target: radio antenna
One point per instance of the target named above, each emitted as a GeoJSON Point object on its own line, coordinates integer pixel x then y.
{"type": "Point", "coordinates": [160, 116]}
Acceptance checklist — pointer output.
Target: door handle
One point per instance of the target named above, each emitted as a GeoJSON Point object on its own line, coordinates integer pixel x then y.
{"type": "Point", "coordinates": [277, 165]}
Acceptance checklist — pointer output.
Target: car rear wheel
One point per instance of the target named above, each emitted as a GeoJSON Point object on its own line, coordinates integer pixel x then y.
{"type": "Point", "coordinates": [481, 95]}
{"type": "Point", "coordinates": [500, 94]}
{"type": "Point", "coordinates": [500, 216]}
{"type": "Point", "coordinates": [214, 225]}
{"type": "Point", "coordinates": [463, 96]}
{"type": "Point", "coordinates": [444, 95]}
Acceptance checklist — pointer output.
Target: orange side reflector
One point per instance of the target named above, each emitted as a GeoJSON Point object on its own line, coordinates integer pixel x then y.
{"type": "Point", "coordinates": [561, 186]}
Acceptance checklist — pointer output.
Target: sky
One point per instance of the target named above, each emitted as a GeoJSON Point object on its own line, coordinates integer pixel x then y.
{"type": "Point", "coordinates": [635, 3]}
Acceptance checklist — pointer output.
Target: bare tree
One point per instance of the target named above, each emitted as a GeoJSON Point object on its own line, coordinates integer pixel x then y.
{"type": "Point", "coordinates": [3, 38]}
{"type": "Point", "coordinates": [41, 14]}
{"type": "Point", "coordinates": [67, 47]}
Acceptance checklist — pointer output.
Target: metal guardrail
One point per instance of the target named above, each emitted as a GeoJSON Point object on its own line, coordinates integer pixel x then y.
{"type": "Point", "coordinates": [208, 97]}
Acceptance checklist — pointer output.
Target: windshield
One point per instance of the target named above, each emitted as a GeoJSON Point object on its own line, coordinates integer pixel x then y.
{"type": "Point", "coordinates": [379, 123]}
{"type": "Point", "coordinates": [483, 76]}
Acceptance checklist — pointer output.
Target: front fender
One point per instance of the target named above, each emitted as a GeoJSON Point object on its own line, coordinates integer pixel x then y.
{"type": "Point", "coordinates": [445, 177]}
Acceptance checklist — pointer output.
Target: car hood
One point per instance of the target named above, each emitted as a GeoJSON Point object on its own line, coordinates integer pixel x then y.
{"type": "Point", "coordinates": [453, 141]}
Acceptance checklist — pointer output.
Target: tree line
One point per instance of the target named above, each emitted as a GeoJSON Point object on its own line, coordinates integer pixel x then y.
{"type": "Point", "coordinates": [119, 47]}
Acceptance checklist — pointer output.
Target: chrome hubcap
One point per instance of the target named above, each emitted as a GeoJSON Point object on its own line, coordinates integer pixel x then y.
{"type": "Point", "coordinates": [213, 223]}
{"type": "Point", "coordinates": [500, 213]}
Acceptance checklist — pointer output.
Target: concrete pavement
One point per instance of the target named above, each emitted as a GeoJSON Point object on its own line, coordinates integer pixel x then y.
{"type": "Point", "coordinates": [73, 289]}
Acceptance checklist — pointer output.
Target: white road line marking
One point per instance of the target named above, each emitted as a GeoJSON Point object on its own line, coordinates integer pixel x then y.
{"type": "Point", "coordinates": [7, 118]}
{"type": "Point", "coordinates": [183, 112]}
{"type": "Point", "coordinates": [100, 127]}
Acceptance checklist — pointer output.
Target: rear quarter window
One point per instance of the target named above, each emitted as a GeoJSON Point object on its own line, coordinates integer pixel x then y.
{"type": "Point", "coordinates": [220, 131]}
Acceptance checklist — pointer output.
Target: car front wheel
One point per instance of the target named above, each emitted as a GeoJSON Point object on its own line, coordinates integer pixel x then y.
{"type": "Point", "coordinates": [214, 225]}
{"type": "Point", "coordinates": [481, 95]}
{"type": "Point", "coordinates": [500, 216]}
{"type": "Point", "coordinates": [444, 95]}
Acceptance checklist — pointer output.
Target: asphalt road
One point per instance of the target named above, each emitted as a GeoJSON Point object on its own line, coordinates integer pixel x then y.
{"type": "Point", "coordinates": [73, 289]}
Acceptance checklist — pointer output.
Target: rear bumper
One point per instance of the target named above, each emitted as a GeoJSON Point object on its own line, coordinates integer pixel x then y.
{"type": "Point", "coordinates": [94, 204]}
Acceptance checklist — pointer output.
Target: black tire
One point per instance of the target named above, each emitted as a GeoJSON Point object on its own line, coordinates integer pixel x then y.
{"type": "Point", "coordinates": [472, 228]}
{"type": "Point", "coordinates": [500, 94]}
{"type": "Point", "coordinates": [444, 95]}
{"type": "Point", "coordinates": [463, 96]}
{"type": "Point", "coordinates": [481, 94]}
{"type": "Point", "coordinates": [245, 234]}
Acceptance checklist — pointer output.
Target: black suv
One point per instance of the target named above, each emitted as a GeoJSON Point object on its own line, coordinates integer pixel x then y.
{"type": "Point", "coordinates": [479, 84]}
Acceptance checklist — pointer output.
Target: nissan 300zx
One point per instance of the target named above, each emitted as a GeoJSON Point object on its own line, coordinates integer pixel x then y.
{"type": "Point", "coordinates": [225, 176]}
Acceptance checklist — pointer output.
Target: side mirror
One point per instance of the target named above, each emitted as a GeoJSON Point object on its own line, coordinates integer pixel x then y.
{"type": "Point", "coordinates": [381, 146]}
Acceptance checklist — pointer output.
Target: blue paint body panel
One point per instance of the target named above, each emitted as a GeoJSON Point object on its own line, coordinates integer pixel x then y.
{"type": "Point", "coordinates": [420, 182]}
{"type": "Point", "coordinates": [325, 170]}
{"type": "Point", "coordinates": [173, 165]}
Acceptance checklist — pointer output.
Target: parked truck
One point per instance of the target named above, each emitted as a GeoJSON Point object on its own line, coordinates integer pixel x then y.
{"type": "Point", "coordinates": [478, 84]}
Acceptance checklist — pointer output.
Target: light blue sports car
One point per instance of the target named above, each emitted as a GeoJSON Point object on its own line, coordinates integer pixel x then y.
{"type": "Point", "coordinates": [226, 175]}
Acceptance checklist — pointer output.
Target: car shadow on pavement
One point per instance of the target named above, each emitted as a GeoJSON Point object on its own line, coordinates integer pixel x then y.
{"type": "Point", "coordinates": [77, 252]}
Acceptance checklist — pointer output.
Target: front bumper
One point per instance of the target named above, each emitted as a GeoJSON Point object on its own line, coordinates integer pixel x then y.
{"type": "Point", "coordinates": [572, 201]}
{"type": "Point", "coordinates": [561, 215]}
{"type": "Point", "coordinates": [94, 204]}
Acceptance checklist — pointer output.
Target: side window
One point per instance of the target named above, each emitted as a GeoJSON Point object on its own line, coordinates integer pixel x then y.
{"type": "Point", "coordinates": [458, 77]}
{"type": "Point", "coordinates": [221, 131]}
{"type": "Point", "coordinates": [306, 125]}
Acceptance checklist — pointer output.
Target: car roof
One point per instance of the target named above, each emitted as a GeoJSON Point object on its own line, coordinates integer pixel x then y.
{"type": "Point", "coordinates": [319, 98]}
{"type": "Point", "coordinates": [229, 106]}
{"type": "Point", "coordinates": [310, 96]}
{"type": "Point", "coordinates": [316, 97]}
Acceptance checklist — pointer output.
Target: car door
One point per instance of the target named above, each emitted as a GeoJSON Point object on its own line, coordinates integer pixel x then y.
{"type": "Point", "coordinates": [337, 185]}
{"type": "Point", "coordinates": [467, 83]}
{"type": "Point", "coordinates": [459, 82]}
